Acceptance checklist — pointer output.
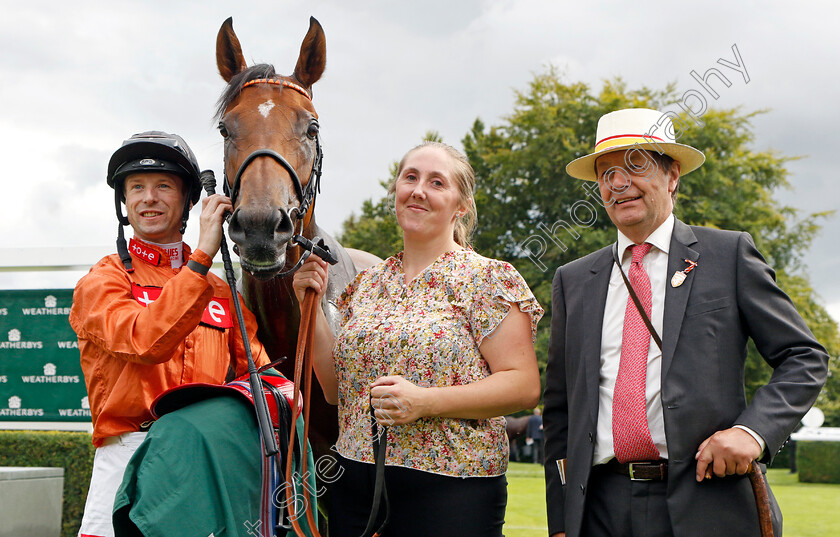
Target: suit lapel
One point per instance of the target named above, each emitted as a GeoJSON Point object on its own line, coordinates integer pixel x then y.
{"type": "Point", "coordinates": [593, 312]}
{"type": "Point", "coordinates": [676, 298]}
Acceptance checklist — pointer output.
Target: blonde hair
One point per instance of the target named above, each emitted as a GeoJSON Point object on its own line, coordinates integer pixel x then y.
{"type": "Point", "coordinates": [464, 177]}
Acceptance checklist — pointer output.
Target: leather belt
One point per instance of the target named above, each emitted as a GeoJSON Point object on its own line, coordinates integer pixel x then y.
{"type": "Point", "coordinates": [641, 470]}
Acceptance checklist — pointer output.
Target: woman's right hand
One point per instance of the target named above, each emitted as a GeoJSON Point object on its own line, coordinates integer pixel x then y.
{"type": "Point", "coordinates": [312, 274]}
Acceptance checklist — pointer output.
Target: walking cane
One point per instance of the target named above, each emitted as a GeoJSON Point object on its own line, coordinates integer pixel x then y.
{"type": "Point", "coordinates": [208, 181]}
{"type": "Point", "coordinates": [762, 499]}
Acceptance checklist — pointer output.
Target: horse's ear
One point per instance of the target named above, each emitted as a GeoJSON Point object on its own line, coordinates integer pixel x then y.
{"type": "Point", "coordinates": [229, 58]}
{"type": "Point", "coordinates": [313, 55]}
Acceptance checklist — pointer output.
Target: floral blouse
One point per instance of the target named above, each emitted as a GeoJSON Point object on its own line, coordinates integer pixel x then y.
{"type": "Point", "coordinates": [429, 331]}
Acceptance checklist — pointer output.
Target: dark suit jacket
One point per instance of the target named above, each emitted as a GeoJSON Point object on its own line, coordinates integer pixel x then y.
{"type": "Point", "coordinates": [730, 296]}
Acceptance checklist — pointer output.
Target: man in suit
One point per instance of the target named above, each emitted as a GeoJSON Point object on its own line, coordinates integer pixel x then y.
{"type": "Point", "coordinates": [648, 442]}
{"type": "Point", "coordinates": [534, 435]}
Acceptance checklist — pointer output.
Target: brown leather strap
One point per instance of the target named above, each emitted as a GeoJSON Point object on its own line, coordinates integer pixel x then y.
{"type": "Point", "coordinates": [638, 304]}
{"type": "Point", "coordinates": [303, 368]}
{"type": "Point", "coordinates": [641, 470]}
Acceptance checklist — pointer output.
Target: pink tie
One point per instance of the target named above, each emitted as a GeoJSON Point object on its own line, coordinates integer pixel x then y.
{"type": "Point", "coordinates": [631, 435]}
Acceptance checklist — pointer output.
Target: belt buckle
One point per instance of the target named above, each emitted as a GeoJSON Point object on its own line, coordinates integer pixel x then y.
{"type": "Point", "coordinates": [630, 468]}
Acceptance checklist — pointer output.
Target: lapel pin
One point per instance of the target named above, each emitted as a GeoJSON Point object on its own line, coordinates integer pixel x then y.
{"type": "Point", "coordinates": [679, 276]}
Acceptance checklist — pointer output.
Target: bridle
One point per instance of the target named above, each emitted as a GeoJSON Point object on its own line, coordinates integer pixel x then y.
{"type": "Point", "coordinates": [306, 194]}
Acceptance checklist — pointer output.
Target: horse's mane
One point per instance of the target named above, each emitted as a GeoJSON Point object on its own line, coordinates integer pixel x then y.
{"type": "Point", "coordinates": [260, 70]}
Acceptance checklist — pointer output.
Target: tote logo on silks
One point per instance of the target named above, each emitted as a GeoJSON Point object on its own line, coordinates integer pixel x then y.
{"type": "Point", "coordinates": [146, 254]}
{"type": "Point", "coordinates": [217, 313]}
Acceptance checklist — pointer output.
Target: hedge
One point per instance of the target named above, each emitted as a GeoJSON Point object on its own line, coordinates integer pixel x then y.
{"type": "Point", "coordinates": [72, 451]}
{"type": "Point", "coordinates": [818, 462]}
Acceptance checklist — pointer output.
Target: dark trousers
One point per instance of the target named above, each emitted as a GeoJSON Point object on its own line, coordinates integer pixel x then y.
{"type": "Point", "coordinates": [538, 450]}
{"type": "Point", "coordinates": [619, 507]}
{"type": "Point", "coordinates": [422, 503]}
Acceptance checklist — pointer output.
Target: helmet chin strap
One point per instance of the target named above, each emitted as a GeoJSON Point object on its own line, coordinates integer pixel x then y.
{"type": "Point", "coordinates": [122, 248]}
{"type": "Point", "coordinates": [187, 207]}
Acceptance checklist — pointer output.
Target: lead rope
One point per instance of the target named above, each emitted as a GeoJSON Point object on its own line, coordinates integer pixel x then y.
{"type": "Point", "coordinates": [303, 358]}
{"type": "Point", "coordinates": [303, 368]}
{"type": "Point", "coordinates": [380, 492]}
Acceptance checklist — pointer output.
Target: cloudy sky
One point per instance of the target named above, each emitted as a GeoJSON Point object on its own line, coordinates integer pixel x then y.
{"type": "Point", "coordinates": [79, 77]}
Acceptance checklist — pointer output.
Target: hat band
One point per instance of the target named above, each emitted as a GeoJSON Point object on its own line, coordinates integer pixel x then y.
{"type": "Point", "coordinates": [625, 140]}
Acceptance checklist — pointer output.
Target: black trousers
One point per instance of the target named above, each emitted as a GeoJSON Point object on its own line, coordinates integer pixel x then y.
{"type": "Point", "coordinates": [422, 504]}
{"type": "Point", "coordinates": [619, 507]}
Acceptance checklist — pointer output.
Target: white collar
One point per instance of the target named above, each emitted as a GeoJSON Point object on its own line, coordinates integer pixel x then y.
{"type": "Point", "coordinates": [660, 238]}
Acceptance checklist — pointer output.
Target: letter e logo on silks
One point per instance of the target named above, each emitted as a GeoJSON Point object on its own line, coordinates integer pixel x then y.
{"type": "Point", "coordinates": [217, 313]}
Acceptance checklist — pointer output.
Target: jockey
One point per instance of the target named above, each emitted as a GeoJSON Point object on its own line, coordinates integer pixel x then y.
{"type": "Point", "coordinates": [152, 316]}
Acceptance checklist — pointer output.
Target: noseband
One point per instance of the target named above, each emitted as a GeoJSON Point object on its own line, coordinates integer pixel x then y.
{"type": "Point", "coordinates": [307, 194]}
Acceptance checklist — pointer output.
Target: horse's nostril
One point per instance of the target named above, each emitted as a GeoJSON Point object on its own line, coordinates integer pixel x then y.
{"type": "Point", "coordinates": [284, 223]}
{"type": "Point", "coordinates": [235, 231]}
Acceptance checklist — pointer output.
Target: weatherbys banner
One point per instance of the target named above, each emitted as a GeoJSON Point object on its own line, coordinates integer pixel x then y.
{"type": "Point", "coordinates": [40, 375]}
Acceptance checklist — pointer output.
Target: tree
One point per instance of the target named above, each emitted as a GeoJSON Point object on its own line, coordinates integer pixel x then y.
{"type": "Point", "coordinates": [535, 216]}
{"type": "Point", "coordinates": [375, 230]}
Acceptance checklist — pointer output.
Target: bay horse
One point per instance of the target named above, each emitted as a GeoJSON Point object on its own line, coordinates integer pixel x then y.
{"type": "Point", "coordinates": [515, 428]}
{"type": "Point", "coordinates": [272, 165]}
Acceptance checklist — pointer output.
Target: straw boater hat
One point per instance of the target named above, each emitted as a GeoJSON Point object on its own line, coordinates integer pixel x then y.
{"type": "Point", "coordinates": [640, 128]}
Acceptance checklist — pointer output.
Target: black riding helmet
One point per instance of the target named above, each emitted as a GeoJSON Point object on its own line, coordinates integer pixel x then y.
{"type": "Point", "coordinates": [156, 151]}
{"type": "Point", "coordinates": [152, 151]}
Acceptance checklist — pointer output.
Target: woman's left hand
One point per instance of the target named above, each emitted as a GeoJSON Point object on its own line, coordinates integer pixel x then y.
{"type": "Point", "coordinates": [397, 401]}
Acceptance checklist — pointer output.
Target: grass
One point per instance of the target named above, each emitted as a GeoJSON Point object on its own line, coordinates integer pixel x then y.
{"type": "Point", "coordinates": [525, 515]}
{"type": "Point", "coordinates": [809, 509]}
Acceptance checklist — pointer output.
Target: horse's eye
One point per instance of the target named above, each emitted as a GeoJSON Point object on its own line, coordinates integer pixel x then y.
{"type": "Point", "coordinates": [312, 130]}
{"type": "Point", "coordinates": [223, 130]}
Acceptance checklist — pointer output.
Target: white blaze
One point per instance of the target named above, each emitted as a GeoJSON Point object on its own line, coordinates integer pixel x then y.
{"type": "Point", "coordinates": [266, 107]}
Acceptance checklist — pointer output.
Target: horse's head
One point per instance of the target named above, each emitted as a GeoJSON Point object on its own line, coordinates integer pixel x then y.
{"type": "Point", "coordinates": [272, 151]}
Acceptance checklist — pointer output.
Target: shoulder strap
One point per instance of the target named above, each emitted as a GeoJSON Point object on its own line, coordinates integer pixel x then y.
{"type": "Point", "coordinates": [636, 301]}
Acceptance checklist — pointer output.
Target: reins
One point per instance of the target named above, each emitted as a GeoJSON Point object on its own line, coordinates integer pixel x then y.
{"type": "Point", "coordinates": [208, 181]}
{"type": "Point", "coordinates": [303, 368]}
{"type": "Point", "coordinates": [380, 491]}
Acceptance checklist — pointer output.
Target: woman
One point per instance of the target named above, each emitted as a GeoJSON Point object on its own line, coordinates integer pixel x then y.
{"type": "Point", "coordinates": [439, 341]}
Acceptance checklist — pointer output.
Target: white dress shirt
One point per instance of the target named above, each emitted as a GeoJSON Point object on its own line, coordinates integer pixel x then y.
{"type": "Point", "coordinates": [655, 264]}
